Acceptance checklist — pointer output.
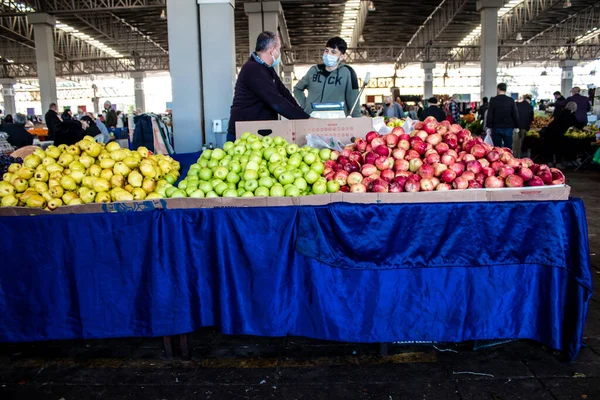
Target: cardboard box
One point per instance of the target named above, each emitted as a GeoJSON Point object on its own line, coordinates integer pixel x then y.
{"type": "Point", "coordinates": [545, 193]}
{"type": "Point", "coordinates": [295, 131]}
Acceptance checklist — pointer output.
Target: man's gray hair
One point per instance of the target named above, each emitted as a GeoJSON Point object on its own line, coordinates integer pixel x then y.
{"type": "Point", "coordinates": [265, 40]}
{"type": "Point", "coordinates": [571, 106]}
{"type": "Point", "coordinates": [19, 118]}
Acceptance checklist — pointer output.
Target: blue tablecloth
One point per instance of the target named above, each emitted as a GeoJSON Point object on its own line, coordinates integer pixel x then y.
{"type": "Point", "coordinates": [361, 273]}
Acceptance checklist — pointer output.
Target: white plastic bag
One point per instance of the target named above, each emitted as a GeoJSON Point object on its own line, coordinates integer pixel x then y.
{"type": "Point", "coordinates": [488, 137]}
{"type": "Point", "coordinates": [325, 142]}
{"type": "Point", "coordinates": [409, 125]}
{"type": "Point", "coordinates": [380, 127]}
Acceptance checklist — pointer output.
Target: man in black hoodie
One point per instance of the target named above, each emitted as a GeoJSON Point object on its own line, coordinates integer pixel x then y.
{"type": "Point", "coordinates": [259, 93]}
{"type": "Point", "coordinates": [52, 120]}
{"type": "Point", "coordinates": [502, 118]}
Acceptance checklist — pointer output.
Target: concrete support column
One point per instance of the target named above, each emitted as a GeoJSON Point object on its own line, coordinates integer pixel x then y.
{"type": "Point", "coordinates": [43, 33]}
{"type": "Point", "coordinates": [566, 81]}
{"type": "Point", "coordinates": [489, 45]}
{"type": "Point", "coordinates": [217, 21]}
{"type": "Point", "coordinates": [288, 77]}
{"type": "Point", "coordinates": [8, 93]}
{"type": "Point", "coordinates": [428, 68]}
{"type": "Point", "coordinates": [262, 17]}
{"type": "Point", "coordinates": [185, 67]}
{"type": "Point", "coordinates": [140, 99]}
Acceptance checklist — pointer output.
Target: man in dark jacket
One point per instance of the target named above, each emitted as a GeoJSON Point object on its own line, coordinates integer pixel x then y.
{"type": "Point", "coordinates": [525, 110]}
{"type": "Point", "coordinates": [583, 106]}
{"type": "Point", "coordinates": [433, 111]}
{"type": "Point", "coordinates": [17, 134]}
{"type": "Point", "coordinates": [559, 103]}
{"type": "Point", "coordinates": [483, 108]}
{"type": "Point", "coordinates": [502, 118]}
{"type": "Point", "coordinates": [110, 115]}
{"type": "Point", "coordinates": [259, 93]}
{"type": "Point", "coordinates": [51, 118]}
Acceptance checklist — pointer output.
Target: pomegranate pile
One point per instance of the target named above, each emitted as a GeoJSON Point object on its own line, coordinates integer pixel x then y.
{"type": "Point", "coordinates": [435, 156]}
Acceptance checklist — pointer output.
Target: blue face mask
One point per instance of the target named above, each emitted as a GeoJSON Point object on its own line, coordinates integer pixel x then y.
{"type": "Point", "coordinates": [277, 61]}
{"type": "Point", "coordinates": [329, 60]}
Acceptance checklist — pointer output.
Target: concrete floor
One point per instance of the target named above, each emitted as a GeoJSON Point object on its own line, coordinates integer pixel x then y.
{"type": "Point", "coordinates": [230, 367]}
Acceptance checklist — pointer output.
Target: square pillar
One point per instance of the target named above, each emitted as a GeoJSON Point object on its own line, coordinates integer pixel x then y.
{"type": "Point", "coordinates": [219, 72]}
{"type": "Point", "coordinates": [185, 67]}
{"type": "Point", "coordinates": [43, 33]}
{"type": "Point", "coordinates": [138, 81]}
{"type": "Point", "coordinates": [428, 68]}
{"type": "Point", "coordinates": [262, 17]}
{"type": "Point", "coordinates": [566, 79]}
{"type": "Point", "coordinates": [8, 93]}
{"type": "Point", "coordinates": [288, 77]}
{"type": "Point", "coordinates": [489, 45]}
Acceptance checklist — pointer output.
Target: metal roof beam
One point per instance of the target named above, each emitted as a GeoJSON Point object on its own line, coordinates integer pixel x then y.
{"type": "Point", "coordinates": [58, 7]}
{"type": "Point", "coordinates": [522, 15]}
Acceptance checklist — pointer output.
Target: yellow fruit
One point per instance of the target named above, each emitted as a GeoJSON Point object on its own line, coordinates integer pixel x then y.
{"type": "Point", "coordinates": [75, 202]}
{"type": "Point", "coordinates": [54, 204]}
{"type": "Point", "coordinates": [36, 201]}
{"type": "Point", "coordinates": [68, 196]}
{"type": "Point", "coordinates": [112, 146]}
{"type": "Point", "coordinates": [9, 201]}
{"type": "Point", "coordinates": [138, 194]}
{"type": "Point", "coordinates": [101, 185]}
{"type": "Point", "coordinates": [102, 197]}
{"type": "Point", "coordinates": [56, 191]}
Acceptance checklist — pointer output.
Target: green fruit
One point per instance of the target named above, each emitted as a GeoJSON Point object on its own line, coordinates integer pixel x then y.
{"type": "Point", "coordinates": [205, 186]}
{"type": "Point", "coordinates": [319, 187]}
{"type": "Point", "coordinates": [292, 191]}
{"type": "Point", "coordinates": [286, 178]}
{"type": "Point", "coordinates": [218, 154]}
{"type": "Point", "coordinates": [251, 185]}
{"type": "Point", "coordinates": [177, 194]}
{"type": "Point", "coordinates": [182, 185]}
{"type": "Point", "coordinates": [301, 184]}
{"type": "Point", "coordinates": [205, 174]}
{"type": "Point", "coordinates": [232, 177]}
{"type": "Point", "coordinates": [333, 186]}
{"type": "Point", "coordinates": [220, 188]}
{"type": "Point", "coordinates": [9, 201]}
{"type": "Point", "coordinates": [262, 191]}
{"type": "Point", "coordinates": [170, 190]}
{"type": "Point", "coordinates": [250, 174]}
{"type": "Point", "coordinates": [318, 167]}
{"type": "Point", "coordinates": [247, 194]}
{"type": "Point", "coordinates": [211, 194]}
{"type": "Point", "coordinates": [221, 173]}
{"type": "Point", "coordinates": [266, 181]}
{"type": "Point", "coordinates": [197, 194]}
{"type": "Point", "coordinates": [277, 191]}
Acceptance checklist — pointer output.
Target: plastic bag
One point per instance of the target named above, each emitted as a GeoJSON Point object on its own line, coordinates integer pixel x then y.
{"type": "Point", "coordinates": [409, 125]}
{"type": "Point", "coordinates": [380, 127]}
{"type": "Point", "coordinates": [488, 137]}
{"type": "Point", "coordinates": [325, 142]}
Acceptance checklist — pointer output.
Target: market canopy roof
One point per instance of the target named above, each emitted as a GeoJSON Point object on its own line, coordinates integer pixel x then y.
{"type": "Point", "coordinates": [121, 36]}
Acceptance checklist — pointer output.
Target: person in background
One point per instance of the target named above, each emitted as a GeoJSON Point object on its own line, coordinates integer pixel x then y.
{"type": "Point", "coordinates": [8, 119]}
{"type": "Point", "coordinates": [365, 110]}
{"type": "Point", "coordinates": [17, 133]}
{"type": "Point", "coordinates": [483, 108]}
{"type": "Point", "coordinates": [453, 109]}
{"type": "Point", "coordinates": [554, 133]}
{"type": "Point", "coordinates": [583, 106]}
{"type": "Point", "coordinates": [392, 109]}
{"type": "Point", "coordinates": [525, 111]}
{"type": "Point", "coordinates": [412, 113]}
{"type": "Point", "coordinates": [69, 131]}
{"type": "Point", "coordinates": [138, 111]}
{"type": "Point", "coordinates": [67, 115]}
{"type": "Point", "coordinates": [52, 119]}
{"type": "Point", "coordinates": [433, 111]}
{"type": "Point", "coordinates": [259, 93]}
{"type": "Point", "coordinates": [542, 106]}
{"type": "Point", "coordinates": [330, 82]}
{"type": "Point", "coordinates": [559, 103]}
{"type": "Point", "coordinates": [120, 120]}
{"type": "Point", "coordinates": [80, 114]}
{"type": "Point", "coordinates": [502, 118]}
{"type": "Point", "coordinates": [110, 115]}
{"type": "Point", "coordinates": [100, 125]}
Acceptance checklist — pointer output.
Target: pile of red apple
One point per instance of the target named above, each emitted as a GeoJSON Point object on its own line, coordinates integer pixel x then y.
{"type": "Point", "coordinates": [435, 156]}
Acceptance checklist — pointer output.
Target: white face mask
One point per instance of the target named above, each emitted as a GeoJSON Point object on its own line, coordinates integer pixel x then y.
{"type": "Point", "coordinates": [330, 60]}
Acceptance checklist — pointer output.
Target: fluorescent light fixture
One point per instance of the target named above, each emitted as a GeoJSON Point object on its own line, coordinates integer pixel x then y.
{"type": "Point", "coordinates": [588, 35]}
{"type": "Point", "coordinates": [349, 20]}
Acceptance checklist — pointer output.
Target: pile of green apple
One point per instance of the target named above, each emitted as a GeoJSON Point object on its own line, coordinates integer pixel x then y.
{"type": "Point", "coordinates": [88, 172]}
{"type": "Point", "coordinates": [259, 166]}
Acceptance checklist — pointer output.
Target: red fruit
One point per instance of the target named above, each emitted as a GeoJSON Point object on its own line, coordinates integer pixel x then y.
{"type": "Point", "coordinates": [377, 142]}
{"type": "Point", "coordinates": [327, 170]}
{"type": "Point", "coordinates": [341, 177]}
{"type": "Point", "coordinates": [401, 181]}
{"type": "Point", "coordinates": [358, 188]}
{"type": "Point", "coordinates": [496, 165]}
{"type": "Point", "coordinates": [505, 156]}
{"type": "Point", "coordinates": [535, 168]}
{"type": "Point", "coordinates": [432, 158]}
{"type": "Point", "coordinates": [354, 178]}
{"type": "Point", "coordinates": [525, 173]}
{"type": "Point", "coordinates": [430, 119]}
{"type": "Point", "coordinates": [420, 147]}
{"type": "Point", "coordinates": [493, 182]}
{"type": "Point", "coordinates": [410, 154]}
{"type": "Point", "coordinates": [398, 131]}
{"type": "Point", "coordinates": [395, 188]}
{"type": "Point", "coordinates": [404, 136]}
{"type": "Point", "coordinates": [535, 181]}
{"type": "Point", "coordinates": [419, 125]}
{"type": "Point", "coordinates": [452, 143]}
{"type": "Point", "coordinates": [414, 139]}
{"type": "Point", "coordinates": [368, 182]}
{"type": "Point", "coordinates": [558, 178]}
{"type": "Point", "coordinates": [468, 175]}
{"type": "Point", "coordinates": [346, 152]}
{"type": "Point", "coordinates": [361, 145]}
{"type": "Point", "coordinates": [438, 169]}
{"type": "Point", "coordinates": [388, 175]}
{"type": "Point", "coordinates": [488, 171]}
{"type": "Point", "coordinates": [412, 186]}
{"type": "Point", "coordinates": [474, 185]}
{"type": "Point", "coordinates": [400, 165]}
{"type": "Point", "coordinates": [455, 128]}
{"type": "Point", "coordinates": [484, 163]}
{"type": "Point", "coordinates": [422, 134]}
{"type": "Point", "coordinates": [514, 181]}
{"type": "Point", "coordinates": [513, 163]}
{"type": "Point", "coordinates": [382, 163]}
{"type": "Point", "coordinates": [457, 167]}
{"type": "Point", "coordinates": [415, 177]}
{"type": "Point", "coordinates": [493, 156]}
{"type": "Point", "coordinates": [329, 164]}
{"type": "Point", "coordinates": [426, 171]}
{"type": "Point", "coordinates": [368, 170]}
{"type": "Point", "coordinates": [355, 156]}
{"type": "Point", "coordinates": [382, 151]}
{"type": "Point", "coordinates": [478, 151]}
{"type": "Point", "coordinates": [334, 155]}
{"type": "Point", "coordinates": [380, 186]}
{"type": "Point", "coordinates": [370, 157]}
{"type": "Point", "coordinates": [399, 154]}
{"type": "Point", "coordinates": [404, 144]}
{"type": "Point", "coordinates": [430, 127]}
{"type": "Point", "coordinates": [480, 177]}
{"type": "Point", "coordinates": [391, 139]}
{"type": "Point", "coordinates": [448, 159]}
{"type": "Point", "coordinates": [460, 183]}
{"type": "Point", "coordinates": [526, 162]}
{"type": "Point", "coordinates": [474, 166]}
{"type": "Point", "coordinates": [469, 145]}
{"type": "Point", "coordinates": [443, 186]}
{"type": "Point", "coordinates": [434, 139]}
{"type": "Point", "coordinates": [415, 164]}
{"type": "Point", "coordinates": [426, 185]}
{"type": "Point", "coordinates": [369, 147]}
{"type": "Point", "coordinates": [448, 136]}
{"type": "Point", "coordinates": [505, 171]}
{"type": "Point", "coordinates": [371, 135]}
{"type": "Point", "coordinates": [445, 123]}
{"type": "Point", "coordinates": [441, 148]}
{"type": "Point", "coordinates": [352, 166]}
{"type": "Point", "coordinates": [330, 176]}
{"type": "Point", "coordinates": [546, 176]}
{"type": "Point", "coordinates": [452, 153]}
{"type": "Point", "coordinates": [338, 167]}
{"type": "Point", "coordinates": [448, 176]}
{"type": "Point", "coordinates": [441, 129]}
{"type": "Point", "coordinates": [468, 157]}
{"type": "Point", "coordinates": [342, 160]}
{"type": "Point", "coordinates": [344, 189]}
